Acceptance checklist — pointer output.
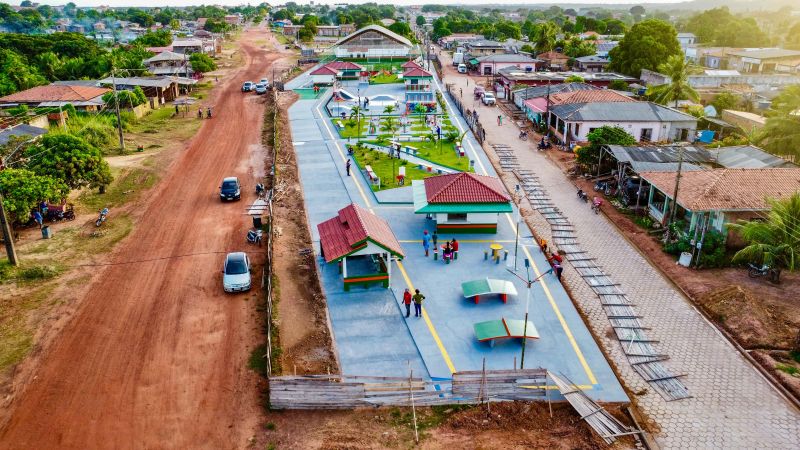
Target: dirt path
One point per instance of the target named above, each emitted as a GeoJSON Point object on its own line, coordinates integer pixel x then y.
{"type": "Point", "coordinates": [156, 355]}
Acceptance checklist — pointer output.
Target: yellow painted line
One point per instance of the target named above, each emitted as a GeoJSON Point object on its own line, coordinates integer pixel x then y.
{"type": "Point", "coordinates": [560, 317]}
{"type": "Point", "coordinates": [428, 322]}
{"type": "Point", "coordinates": [465, 241]}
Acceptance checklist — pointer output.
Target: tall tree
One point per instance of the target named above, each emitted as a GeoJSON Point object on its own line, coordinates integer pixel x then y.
{"type": "Point", "coordinates": [645, 46]}
{"type": "Point", "coordinates": [420, 21]}
{"type": "Point", "coordinates": [721, 28]}
{"type": "Point", "coordinates": [678, 87]}
{"type": "Point", "coordinates": [69, 159]}
{"type": "Point", "coordinates": [781, 135]}
{"type": "Point", "coordinates": [544, 36]}
{"type": "Point", "coordinates": [22, 190]}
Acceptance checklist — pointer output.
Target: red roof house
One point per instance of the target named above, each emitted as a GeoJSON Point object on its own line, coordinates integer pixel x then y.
{"type": "Point", "coordinates": [416, 72]}
{"type": "Point", "coordinates": [462, 202]}
{"type": "Point", "coordinates": [359, 237]}
{"type": "Point", "coordinates": [55, 94]}
{"type": "Point", "coordinates": [410, 65]}
{"type": "Point", "coordinates": [344, 65]}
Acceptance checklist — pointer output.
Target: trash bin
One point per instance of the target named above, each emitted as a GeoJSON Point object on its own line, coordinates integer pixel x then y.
{"type": "Point", "coordinates": [685, 259]}
{"type": "Point", "coordinates": [46, 232]}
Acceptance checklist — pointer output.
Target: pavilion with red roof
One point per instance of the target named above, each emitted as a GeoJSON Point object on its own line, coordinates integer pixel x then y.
{"type": "Point", "coordinates": [363, 245]}
{"type": "Point", "coordinates": [462, 202]}
{"type": "Point", "coordinates": [419, 85]}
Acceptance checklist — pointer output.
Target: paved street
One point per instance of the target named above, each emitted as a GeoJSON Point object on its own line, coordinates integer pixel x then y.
{"type": "Point", "coordinates": [732, 405]}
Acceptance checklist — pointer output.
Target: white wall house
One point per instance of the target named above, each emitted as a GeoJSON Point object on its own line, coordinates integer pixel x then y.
{"type": "Point", "coordinates": [373, 41]}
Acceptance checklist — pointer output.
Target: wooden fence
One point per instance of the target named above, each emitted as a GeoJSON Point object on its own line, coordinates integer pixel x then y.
{"type": "Point", "coordinates": [348, 392]}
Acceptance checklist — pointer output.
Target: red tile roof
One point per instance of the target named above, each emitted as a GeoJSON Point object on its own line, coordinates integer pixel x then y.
{"type": "Point", "coordinates": [465, 188]}
{"type": "Point", "coordinates": [350, 230]}
{"type": "Point", "coordinates": [344, 65]}
{"type": "Point", "coordinates": [416, 72]}
{"type": "Point", "coordinates": [56, 93]}
{"type": "Point", "coordinates": [552, 55]}
{"type": "Point", "coordinates": [588, 96]}
{"type": "Point", "coordinates": [325, 70]}
{"type": "Point", "coordinates": [409, 65]}
{"type": "Point", "coordinates": [728, 189]}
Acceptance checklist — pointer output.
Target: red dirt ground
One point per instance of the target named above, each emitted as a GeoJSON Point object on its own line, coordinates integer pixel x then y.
{"type": "Point", "coordinates": [156, 354]}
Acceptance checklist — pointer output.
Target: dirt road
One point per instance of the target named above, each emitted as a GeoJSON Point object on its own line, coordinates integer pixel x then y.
{"type": "Point", "coordinates": [156, 355]}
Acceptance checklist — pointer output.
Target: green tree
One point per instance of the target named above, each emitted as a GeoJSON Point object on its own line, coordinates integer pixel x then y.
{"type": "Point", "coordinates": [793, 37]}
{"type": "Point", "coordinates": [544, 36]}
{"type": "Point", "coordinates": [16, 75]}
{"type": "Point", "coordinates": [721, 28]}
{"type": "Point", "coordinates": [605, 135]}
{"type": "Point", "coordinates": [420, 21]}
{"type": "Point", "coordinates": [402, 29]}
{"type": "Point", "coordinates": [305, 34]}
{"type": "Point", "coordinates": [725, 100]}
{"type": "Point", "coordinates": [774, 241]}
{"type": "Point", "coordinates": [202, 63]}
{"type": "Point", "coordinates": [23, 190]}
{"type": "Point", "coordinates": [645, 46]}
{"type": "Point", "coordinates": [781, 134]}
{"type": "Point", "coordinates": [678, 87]}
{"type": "Point", "coordinates": [618, 85]}
{"type": "Point", "coordinates": [70, 160]}
{"type": "Point", "coordinates": [159, 38]}
{"type": "Point", "coordinates": [576, 47]}
{"type": "Point", "coordinates": [127, 99]}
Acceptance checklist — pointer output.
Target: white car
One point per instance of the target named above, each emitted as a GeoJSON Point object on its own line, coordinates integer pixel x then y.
{"type": "Point", "coordinates": [488, 99]}
{"type": "Point", "coordinates": [236, 272]}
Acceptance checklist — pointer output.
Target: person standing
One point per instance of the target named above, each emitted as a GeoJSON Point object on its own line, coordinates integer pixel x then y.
{"type": "Point", "coordinates": [407, 301]}
{"type": "Point", "coordinates": [426, 242]}
{"type": "Point", "coordinates": [418, 298]}
{"type": "Point", "coordinates": [37, 217]}
{"type": "Point", "coordinates": [347, 167]}
{"type": "Point", "coordinates": [435, 239]}
{"type": "Point", "coordinates": [454, 244]}
{"type": "Point", "coordinates": [500, 120]}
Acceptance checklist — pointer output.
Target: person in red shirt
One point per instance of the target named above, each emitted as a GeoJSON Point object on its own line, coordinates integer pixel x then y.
{"type": "Point", "coordinates": [407, 301]}
{"type": "Point", "coordinates": [454, 246]}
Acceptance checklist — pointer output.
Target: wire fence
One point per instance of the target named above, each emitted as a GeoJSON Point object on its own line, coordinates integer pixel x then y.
{"type": "Point", "coordinates": [470, 116]}
{"type": "Point", "coordinates": [266, 281]}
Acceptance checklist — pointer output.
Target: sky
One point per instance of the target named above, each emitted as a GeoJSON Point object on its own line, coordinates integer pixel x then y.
{"type": "Point", "coordinates": [150, 3]}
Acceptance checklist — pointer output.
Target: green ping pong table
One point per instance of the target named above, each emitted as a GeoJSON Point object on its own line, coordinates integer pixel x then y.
{"type": "Point", "coordinates": [504, 328]}
{"type": "Point", "coordinates": [476, 288]}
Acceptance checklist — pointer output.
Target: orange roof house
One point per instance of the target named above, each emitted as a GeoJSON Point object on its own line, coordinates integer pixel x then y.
{"type": "Point", "coordinates": [57, 95]}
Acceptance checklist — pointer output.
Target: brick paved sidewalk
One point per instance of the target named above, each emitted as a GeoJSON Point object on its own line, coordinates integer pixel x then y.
{"type": "Point", "coordinates": [732, 405]}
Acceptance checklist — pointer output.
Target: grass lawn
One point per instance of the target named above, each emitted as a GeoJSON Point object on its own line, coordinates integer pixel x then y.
{"type": "Point", "coordinates": [430, 151]}
{"type": "Point", "coordinates": [387, 168]}
{"type": "Point", "coordinates": [384, 79]}
{"type": "Point", "coordinates": [279, 36]}
{"type": "Point", "coordinates": [375, 64]}
{"type": "Point", "coordinates": [351, 131]}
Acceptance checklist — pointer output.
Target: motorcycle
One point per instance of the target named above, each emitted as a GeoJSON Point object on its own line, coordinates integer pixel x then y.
{"type": "Point", "coordinates": [260, 191]}
{"type": "Point", "coordinates": [583, 195]}
{"type": "Point", "coordinates": [57, 214]}
{"type": "Point", "coordinates": [102, 218]}
{"type": "Point", "coordinates": [544, 145]}
{"type": "Point", "coordinates": [596, 204]}
{"type": "Point", "coordinates": [523, 135]}
{"type": "Point", "coordinates": [255, 236]}
{"type": "Point", "coordinates": [755, 271]}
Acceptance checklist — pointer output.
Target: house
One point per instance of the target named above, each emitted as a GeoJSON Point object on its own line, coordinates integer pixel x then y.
{"type": "Point", "coordinates": [22, 130]}
{"type": "Point", "coordinates": [85, 98]}
{"type": "Point", "coordinates": [645, 121]}
{"type": "Point", "coordinates": [483, 47]}
{"type": "Point", "coordinates": [490, 64]}
{"type": "Point", "coordinates": [762, 60]}
{"type": "Point", "coordinates": [554, 60]}
{"type": "Point", "coordinates": [169, 63]}
{"type": "Point", "coordinates": [747, 121]}
{"type": "Point", "coordinates": [362, 244]}
{"type": "Point", "coordinates": [233, 19]}
{"type": "Point", "coordinates": [686, 39]}
{"type": "Point", "coordinates": [512, 77]}
{"type": "Point", "coordinates": [712, 198]}
{"type": "Point", "coordinates": [348, 70]}
{"type": "Point", "coordinates": [419, 86]}
{"type": "Point", "coordinates": [159, 89]}
{"type": "Point", "coordinates": [591, 63]}
{"type": "Point", "coordinates": [458, 39]}
{"type": "Point", "coordinates": [533, 101]}
{"type": "Point", "coordinates": [99, 26]}
{"type": "Point", "coordinates": [324, 75]}
{"type": "Point", "coordinates": [462, 202]}
{"type": "Point", "coordinates": [187, 46]}
{"type": "Point", "coordinates": [373, 41]}
{"type": "Point", "coordinates": [536, 108]}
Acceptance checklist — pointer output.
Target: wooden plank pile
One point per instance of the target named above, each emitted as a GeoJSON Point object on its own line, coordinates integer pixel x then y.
{"type": "Point", "coordinates": [500, 385]}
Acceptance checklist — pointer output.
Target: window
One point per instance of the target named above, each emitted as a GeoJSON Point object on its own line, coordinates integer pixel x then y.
{"type": "Point", "coordinates": [592, 129]}
{"type": "Point", "coordinates": [646, 135]}
{"type": "Point", "coordinates": [456, 217]}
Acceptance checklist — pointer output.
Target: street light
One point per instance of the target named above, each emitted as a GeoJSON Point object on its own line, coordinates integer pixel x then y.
{"type": "Point", "coordinates": [529, 284]}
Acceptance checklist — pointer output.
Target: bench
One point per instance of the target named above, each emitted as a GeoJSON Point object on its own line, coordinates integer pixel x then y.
{"type": "Point", "coordinates": [370, 173]}
{"type": "Point", "coordinates": [340, 124]}
{"type": "Point", "coordinates": [475, 288]}
{"type": "Point", "coordinates": [493, 330]}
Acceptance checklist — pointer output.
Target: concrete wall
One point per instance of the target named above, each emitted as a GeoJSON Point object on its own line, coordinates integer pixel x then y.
{"type": "Point", "coordinates": [661, 131]}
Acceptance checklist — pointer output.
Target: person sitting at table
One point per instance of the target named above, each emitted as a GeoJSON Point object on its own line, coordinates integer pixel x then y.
{"type": "Point", "coordinates": [447, 251]}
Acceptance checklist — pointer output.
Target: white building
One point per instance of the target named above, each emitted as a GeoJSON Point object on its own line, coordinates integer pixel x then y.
{"type": "Point", "coordinates": [373, 41]}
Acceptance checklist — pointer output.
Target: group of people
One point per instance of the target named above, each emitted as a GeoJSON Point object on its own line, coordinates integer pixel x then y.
{"type": "Point", "coordinates": [417, 299]}
{"type": "Point", "coordinates": [200, 113]}
{"type": "Point", "coordinates": [449, 249]}
{"type": "Point", "coordinates": [554, 258]}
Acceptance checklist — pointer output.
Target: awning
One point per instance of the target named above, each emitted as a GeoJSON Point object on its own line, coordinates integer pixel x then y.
{"type": "Point", "coordinates": [473, 62]}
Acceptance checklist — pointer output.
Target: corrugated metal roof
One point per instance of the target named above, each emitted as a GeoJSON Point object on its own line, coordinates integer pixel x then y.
{"type": "Point", "coordinates": [22, 129]}
{"type": "Point", "coordinates": [616, 112]}
{"type": "Point", "coordinates": [508, 58]}
{"type": "Point", "coordinates": [748, 157]}
{"type": "Point", "coordinates": [646, 166]}
{"type": "Point", "coordinates": [379, 29]}
{"type": "Point", "coordinates": [541, 91]}
{"type": "Point", "coordinates": [660, 154]}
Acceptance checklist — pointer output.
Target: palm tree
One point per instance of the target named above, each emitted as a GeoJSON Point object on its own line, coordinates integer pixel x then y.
{"type": "Point", "coordinates": [781, 135]}
{"type": "Point", "coordinates": [355, 119]}
{"type": "Point", "coordinates": [774, 241]}
{"type": "Point", "coordinates": [678, 88]}
{"type": "Point", "coordinates": [545, 36]}
{"type": "Point", "coordinates": [389, 109]}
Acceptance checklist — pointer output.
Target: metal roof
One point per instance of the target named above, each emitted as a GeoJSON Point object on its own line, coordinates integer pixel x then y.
{"type": "Point", "coordinates": [139, 81]}
{"type": "Point", "coordinates": [541, 91]}
{"type": "Point", "coordinates": [421, 205]}
{"type": "Point", "coordinates": [378, 29]}
{"type": "Point", "coordinates": [620, 112]}
{"type": "Point", "coordinates": [747, 157]}
{"type": "Point", "coordinates": [767, 53]}
{"type": "Point", "coordinates": [508, 58]}
{"type": "Point", "coordinates": [22, 129]}
{"type": "Point", "coordinates": [666, 154]}
{"type": "Point", "coordinates": [646, 166]}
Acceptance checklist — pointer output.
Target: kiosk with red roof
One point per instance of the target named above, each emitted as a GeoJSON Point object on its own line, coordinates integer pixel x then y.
{"type": "Point", "coordinates": [363, 245]}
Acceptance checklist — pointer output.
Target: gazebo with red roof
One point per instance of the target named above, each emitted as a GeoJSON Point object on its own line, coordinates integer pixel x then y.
{"type": "Point", "coordinates": [363, 245]}
{"type": "Point", "coordinates": [462, 202]}
{"type": "Point", "coordinates": [410, 65]}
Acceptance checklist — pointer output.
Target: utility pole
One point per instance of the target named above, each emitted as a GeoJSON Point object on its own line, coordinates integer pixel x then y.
{"type": "Point", "coordinates": [116, 107]}
{"type": "Point", "coordinates": [8, 238]}
{"type": "Point", "coordinates": [674, 206]}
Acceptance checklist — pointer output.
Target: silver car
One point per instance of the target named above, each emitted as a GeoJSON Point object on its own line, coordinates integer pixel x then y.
{"type": "Point", "coordinates": [236, 272]}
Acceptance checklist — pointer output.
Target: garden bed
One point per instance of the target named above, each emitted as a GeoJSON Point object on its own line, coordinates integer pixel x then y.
{"type": "Point", "coordinates": [387, 168]}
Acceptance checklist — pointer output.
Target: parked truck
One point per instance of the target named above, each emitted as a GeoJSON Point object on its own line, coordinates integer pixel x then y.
{"type": "Point", "coordinates": [458, 58]}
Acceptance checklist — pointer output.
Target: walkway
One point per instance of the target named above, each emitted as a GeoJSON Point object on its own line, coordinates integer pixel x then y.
{"type": "Point", "coordinates": [733, 406]}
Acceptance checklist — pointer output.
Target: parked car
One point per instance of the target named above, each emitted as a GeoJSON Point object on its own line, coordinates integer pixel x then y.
{"type": "Point", "coordinates": [261, 88]}
{"type": "Point", "coordinates": [248, 86]}
{"type": "Point", "coordinates": [265, 82]}
{"type": "Point", "coordinates": [462, 68]}
{"type": "Point", "coordinates": [230, 189]}
{"type": "Point", "coordinates": [488, 99]}
{"type": "Point", "coordinates": [236, 272]}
